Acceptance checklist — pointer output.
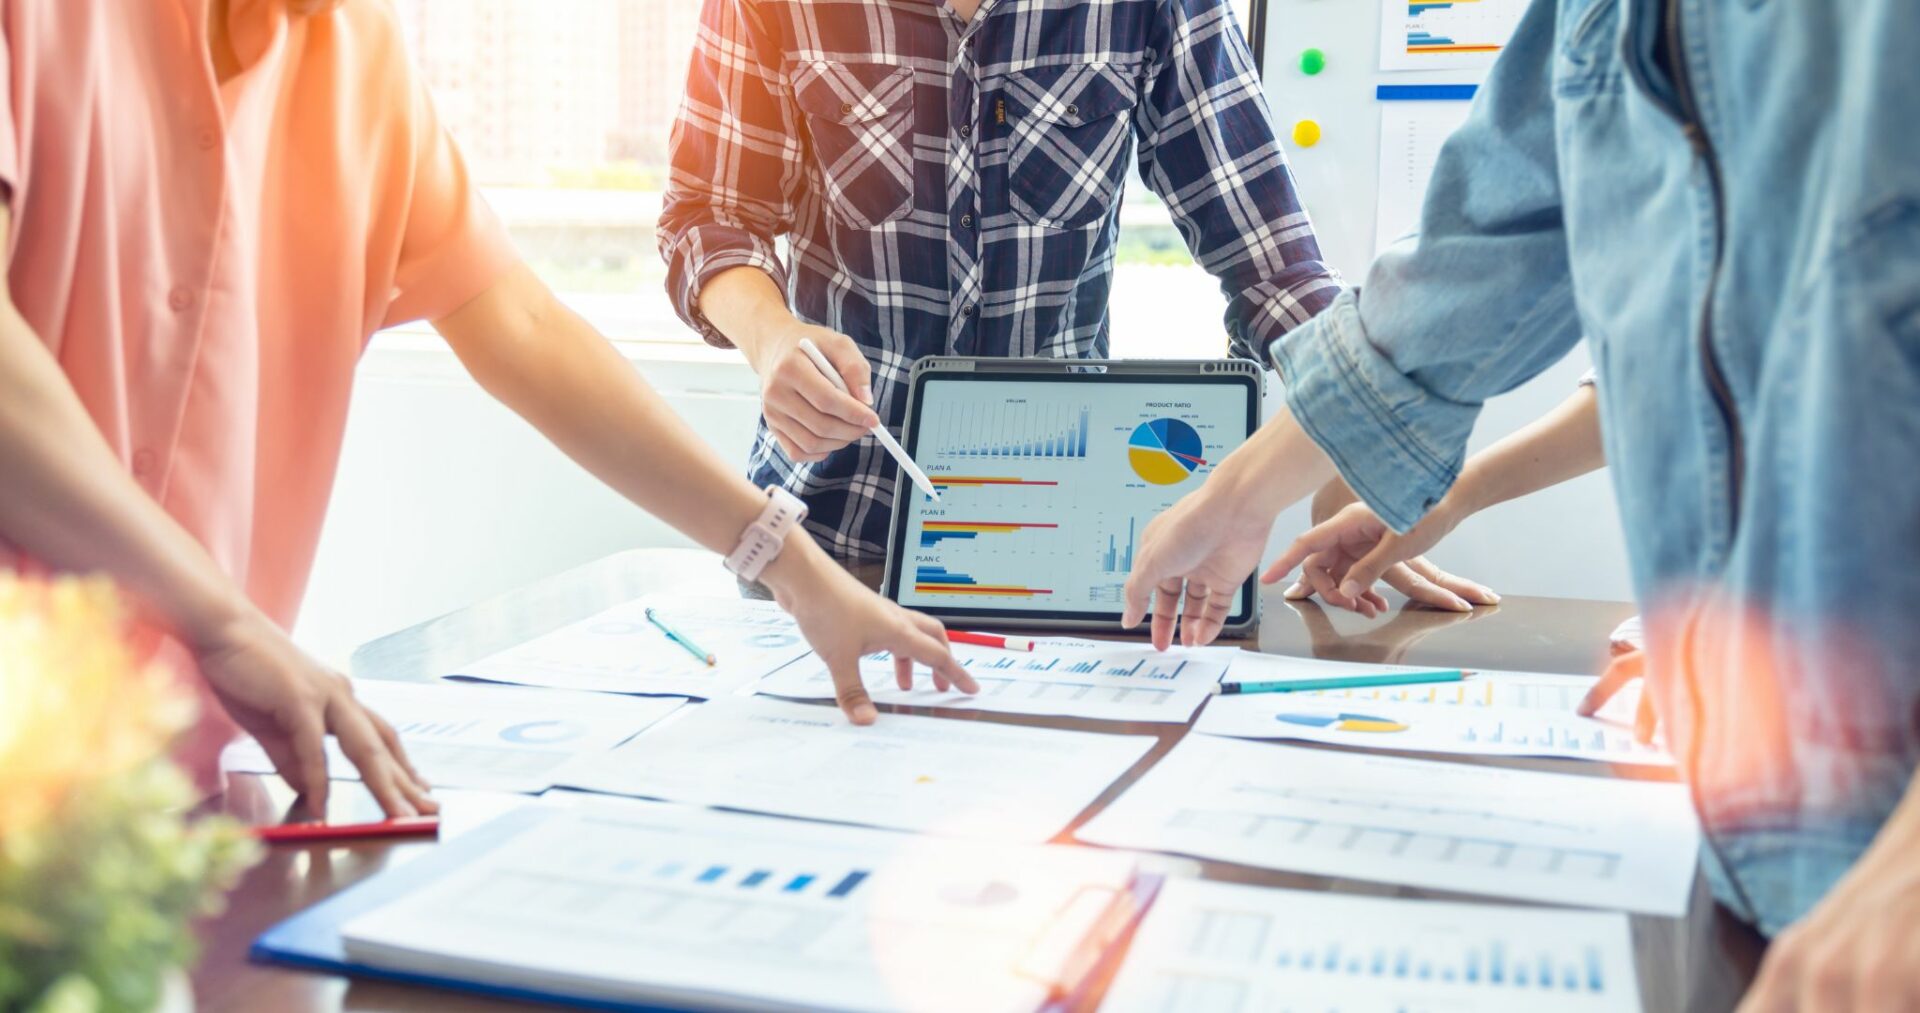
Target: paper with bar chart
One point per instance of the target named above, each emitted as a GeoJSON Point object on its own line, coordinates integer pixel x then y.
{"type": "Point", "coordinates": [1558, 838]}
{"type": "Point", "coordinates": [1445, 34]}
{"type": "Point", "coordinates": [685, 908]}
{"type": "Point", "coordinates": [619, 651]}
{"type": "Point", "coordinates": [494, 738]}
{"type": "Point", "coordinates": [1046, 486]}
{"type": "Point", "coordinates": [1107, 681]}
{"type": "Point", "coordinates": [933, 775]}
{"type": "Point", "coordinates": [1227, 947]}
{"type": "Point", "coordinates": [1488, 713]}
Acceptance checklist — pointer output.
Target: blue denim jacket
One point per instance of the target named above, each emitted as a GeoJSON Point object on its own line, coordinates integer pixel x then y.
{"type": "Point", "coordinates": [1740, 243]}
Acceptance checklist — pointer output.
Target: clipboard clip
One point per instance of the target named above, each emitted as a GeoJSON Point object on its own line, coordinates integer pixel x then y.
{"type": "Point", "coordinates": [1064, 952]}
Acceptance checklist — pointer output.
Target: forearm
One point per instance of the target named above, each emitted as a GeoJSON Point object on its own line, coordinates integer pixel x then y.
{"type": "Point", "coordinates": [1560, 445]}
{"type": "Point", "coordinates": [1279, 465]}
{"type": "Point", "coordinates": [70, 503]}
{"type": "Point", "coordinates": [552, 368]}
{"type": "Point", "coordinates": [746, 306]}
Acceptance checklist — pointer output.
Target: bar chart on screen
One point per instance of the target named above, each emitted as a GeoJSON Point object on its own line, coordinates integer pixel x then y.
{"type": "Point", "coordinates": [1224, 946]}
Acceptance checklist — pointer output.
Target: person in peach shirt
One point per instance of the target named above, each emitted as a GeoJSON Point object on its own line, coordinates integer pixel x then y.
{"type": "Point", "coordinates": [209, 206]}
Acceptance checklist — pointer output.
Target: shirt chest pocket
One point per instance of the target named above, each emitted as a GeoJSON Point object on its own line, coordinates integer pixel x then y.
{"type": "Point", "coordinates": [859, 117]}
{"type": "Point", "coordinates": [1069, 141]}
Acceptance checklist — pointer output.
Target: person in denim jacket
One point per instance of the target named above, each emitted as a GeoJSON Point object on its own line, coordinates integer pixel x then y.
{"type": "Point", "coordinates": [1723, 197]}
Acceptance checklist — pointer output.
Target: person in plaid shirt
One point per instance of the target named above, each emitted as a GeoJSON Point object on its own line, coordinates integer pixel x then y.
{"type": "Point", "coordinates": [948, 176]}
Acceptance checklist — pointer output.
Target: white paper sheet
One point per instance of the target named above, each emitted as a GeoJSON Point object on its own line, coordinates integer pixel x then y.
{"type": "Point", "coordinates": [1559, 838]}
{"type": "Point", "coordinates": [1489, 713]}
{"type": "Point", "coordinates": [1226, 947]}
{"type": "Point", "coordinates": [934, 775]}
{"type": "Point", "coordinates": [1445, 34]}
{"type": "Point", "coordinates": [492, 738]}
{"type": "Point", "coordinates": [1087, 679]}
{"type": "Point", "coordinates": [1411, 134]}
{"type": "Point", "coordinates": [699, 908]}
{"type": "Point", "coordinates": [618, 651]}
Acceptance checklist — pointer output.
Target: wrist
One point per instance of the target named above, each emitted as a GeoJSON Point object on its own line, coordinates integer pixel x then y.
{"type": "Point", "coordinates": [221, 619]}
{"type": "Point", "coordinates": [800, 565]}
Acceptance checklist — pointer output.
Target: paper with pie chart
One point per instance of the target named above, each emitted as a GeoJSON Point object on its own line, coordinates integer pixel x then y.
{"type": "Point", "coordinates": [491, 738]}
{"type": "Point", "coordinates": [1046, 486]}
{"type": "Point", "coordinates": [619, 651]}
{"type": "Point", "coordinates": [1486, 714]}
{"type": "Point", "coordinates": [938, 776]}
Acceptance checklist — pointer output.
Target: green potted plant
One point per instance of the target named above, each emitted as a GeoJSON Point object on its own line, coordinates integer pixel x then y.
{"type": "Point", "coordinates": [100, 870]}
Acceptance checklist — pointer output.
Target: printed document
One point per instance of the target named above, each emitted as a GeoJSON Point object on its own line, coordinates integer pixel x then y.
{"type": "Point", "coordinates": [943, 776]}
{"type": "Point", "coordinates": [1227, 947]}
{"type": "Point", "coordinates": [1555, 838]}
{"type": "Point", "coordinates": [690, 908]}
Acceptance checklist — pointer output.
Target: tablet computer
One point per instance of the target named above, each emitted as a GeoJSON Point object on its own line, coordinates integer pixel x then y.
{"type": "Point", "coordinates": [1048, 471]}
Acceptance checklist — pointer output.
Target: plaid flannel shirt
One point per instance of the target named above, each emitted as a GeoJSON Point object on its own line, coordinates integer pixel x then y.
{"type": "Point", "coordinates": [952, 187]}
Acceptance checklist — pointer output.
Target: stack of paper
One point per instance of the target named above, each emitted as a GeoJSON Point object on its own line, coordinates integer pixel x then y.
{"type": "Point", "coordinates": [1224, 947]}
{"type": "Point", "coordinates": [691, 908]}
{"type": "Point", "coordinates": [1070, 678]}
{"type": "Point", "coordinates": [1488, 713]}
{"type": "Point", "coordinates": [1561, 838]}
{"type": "Point", "coordinates": [491, 738]}
{"type": "Point", "coordinates": [935, 775]}
{"type": "Point", "coordinates": [619, 651]}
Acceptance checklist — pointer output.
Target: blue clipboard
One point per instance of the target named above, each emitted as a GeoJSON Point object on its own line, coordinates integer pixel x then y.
{"type": "Point", "coordinates": [311, 939]}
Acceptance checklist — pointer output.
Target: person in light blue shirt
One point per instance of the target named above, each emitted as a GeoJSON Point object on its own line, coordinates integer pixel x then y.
{"type": "Point", "coordinates": [1723, 197]}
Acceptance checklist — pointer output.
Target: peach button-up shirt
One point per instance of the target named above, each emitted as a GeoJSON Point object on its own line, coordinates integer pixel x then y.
{"type": "Point", "coordinates": [208, 260]}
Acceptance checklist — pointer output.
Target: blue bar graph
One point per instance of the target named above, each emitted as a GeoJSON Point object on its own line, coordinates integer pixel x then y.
{"type": "Point", "coordinates": [1045, 432]}
{"type": "Point", "coordinates": [848, 883]}
{"type": "Point", "coordinates": [1476, 965]}
{"type": "Point", "coordinates": [1116, 560]}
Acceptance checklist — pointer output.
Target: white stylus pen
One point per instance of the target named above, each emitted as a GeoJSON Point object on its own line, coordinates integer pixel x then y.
{"type": "Point", "coordinates": [880, 431]}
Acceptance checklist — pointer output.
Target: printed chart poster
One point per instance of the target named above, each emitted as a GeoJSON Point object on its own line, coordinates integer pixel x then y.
{"type": "Point", "coordinates": [1445, 34]}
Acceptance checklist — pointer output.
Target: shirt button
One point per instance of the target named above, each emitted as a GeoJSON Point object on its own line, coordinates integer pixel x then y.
{"type": "Point", "coordinates": [966, 130]}
{"type": "Point", "coordinates": [143, 463]}
{"type": "Point", "coordinates": [1073, 110]}
{"type": "Point", "coordinates": [846, 109]}
{"type": "Point", "coordinates": [966, 221]}
{"type": "Point", "coordinates": [180, 298]}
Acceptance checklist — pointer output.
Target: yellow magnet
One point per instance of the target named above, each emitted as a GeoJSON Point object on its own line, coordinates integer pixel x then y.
{"type": "Point", "coordinates": [1306, 133]}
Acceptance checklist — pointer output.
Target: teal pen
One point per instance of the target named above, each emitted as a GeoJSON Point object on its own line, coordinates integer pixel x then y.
{"type": "Point", "coordinates": [1343, 682]}
{"type": "Point", "coordinates": [682, 639]}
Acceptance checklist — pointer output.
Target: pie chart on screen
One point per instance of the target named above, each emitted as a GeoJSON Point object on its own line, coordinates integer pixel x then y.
{"type": "Point", "coordinates": [1165, 451]}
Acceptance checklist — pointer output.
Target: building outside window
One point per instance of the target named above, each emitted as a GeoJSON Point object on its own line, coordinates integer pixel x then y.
{"type": "Point", "coordinates": [563, 110]}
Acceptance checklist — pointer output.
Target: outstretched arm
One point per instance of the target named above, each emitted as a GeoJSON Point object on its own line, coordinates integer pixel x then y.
{"type": "Point", "coordinates": [71, 504]}
{"type": "Point", "coordinates": [1343, 555]}
{"type": "Point", "coordinates": [549, 365]}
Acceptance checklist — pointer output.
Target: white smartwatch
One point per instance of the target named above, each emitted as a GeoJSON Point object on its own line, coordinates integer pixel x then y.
{"type": "Point", "coordinates": [761, 543]}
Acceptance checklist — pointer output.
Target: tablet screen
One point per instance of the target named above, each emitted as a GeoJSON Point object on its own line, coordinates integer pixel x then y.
{"type": "Point", "coordinates": [1047, 482]}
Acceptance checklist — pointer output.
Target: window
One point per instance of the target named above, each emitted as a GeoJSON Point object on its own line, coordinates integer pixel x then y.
{"type": "Point", "coordinates": [563, 110]}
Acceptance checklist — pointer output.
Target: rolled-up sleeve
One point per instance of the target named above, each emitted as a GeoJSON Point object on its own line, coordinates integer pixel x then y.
{"type": "Point", "coordinates": [1390, 378]}
{"type": "Point", "coordinates": [1207, 148]}
{"type": "Point", "coordinates": [736, 161]}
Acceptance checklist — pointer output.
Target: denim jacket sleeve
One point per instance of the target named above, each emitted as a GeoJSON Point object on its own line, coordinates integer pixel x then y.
{"type": "Point", "coordinates": [1389, 380]}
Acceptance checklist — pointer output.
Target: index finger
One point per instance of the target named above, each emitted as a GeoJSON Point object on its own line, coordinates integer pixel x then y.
{"type": "Point", "coordinates": [1623, 670]}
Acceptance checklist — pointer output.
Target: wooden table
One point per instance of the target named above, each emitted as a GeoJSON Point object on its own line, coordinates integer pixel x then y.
{"type": "Point", "coordinates": [1702, 962]}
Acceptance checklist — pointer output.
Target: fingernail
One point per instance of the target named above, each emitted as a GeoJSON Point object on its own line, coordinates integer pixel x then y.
{"type": "Point", "coordinates": [1298, 590]}
{"type": "Point", "coordinates": [1492, 598]}
{"type": "Point", "coordinates": [1351, 588]}
{"type": "Point", "coordinates": [1461, 604]}
{"type": "Point", "coordinates": [865, 394]}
